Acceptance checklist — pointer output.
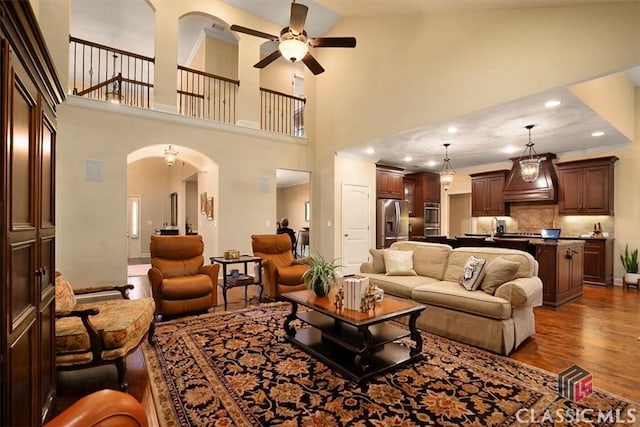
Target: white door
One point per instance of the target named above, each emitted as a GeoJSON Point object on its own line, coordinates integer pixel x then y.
{"type": "Point", "coordinates": [133, 225]}
{"type": "Point", "coordinates": [356, 227]}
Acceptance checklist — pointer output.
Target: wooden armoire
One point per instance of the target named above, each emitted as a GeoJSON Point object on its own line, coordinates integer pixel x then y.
{"type": "Point", "coordinates": [30, 92]}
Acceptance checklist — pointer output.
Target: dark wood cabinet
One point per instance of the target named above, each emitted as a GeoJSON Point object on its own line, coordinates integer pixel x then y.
{"type": "Point", "coordinates": [487, 194]}
{"type": "Point", "coordinates": [389, 182]}
{"type": "Point", "coordinates": [30, 93]}
{"type": "Point", "coordinates": [410, 195]}
{"type": "Point", "coordinates": [430, 187]}
{"type": "Point", "coordinates": [598, 262]}
{"type": "Point", "coordinates": [561, 271]}
{"type": "Point", "coordinates": [586, 187]}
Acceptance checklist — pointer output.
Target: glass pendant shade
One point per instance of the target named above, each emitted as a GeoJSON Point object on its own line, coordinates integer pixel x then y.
{"type": "Point", "coordinates": [446, 171]}
{"type": "Point", "coordinates": [529, 169]}
{"type": "Point", "coordinates": [293, 49]}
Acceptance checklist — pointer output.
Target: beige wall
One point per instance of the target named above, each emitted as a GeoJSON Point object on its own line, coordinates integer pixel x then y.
{"type": "Point", "coordinates": [221, 58]}
{"type": "Point", "coordinates": [91, 216]}
{"type": "Point", "coordinates": [290, 205]}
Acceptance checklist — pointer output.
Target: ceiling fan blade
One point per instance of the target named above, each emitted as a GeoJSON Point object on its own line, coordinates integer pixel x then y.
{"type": "Point", "coordinates": [312, 64]}
{"type": "Point", "coordinates": [268, 59]}
{"type": "Point", "coordinates": [333, 42]}
{"type": "Point", "coordinates": [298, 16]}
{"type": "Point", "coordinates": [252, 32]}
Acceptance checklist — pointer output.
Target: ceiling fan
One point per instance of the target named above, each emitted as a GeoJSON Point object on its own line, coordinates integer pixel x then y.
{"type": "Point", "coordinates": [293, 43]}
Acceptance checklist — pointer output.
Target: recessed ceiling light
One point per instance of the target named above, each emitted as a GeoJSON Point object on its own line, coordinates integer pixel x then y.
{"type": "Point", "coordinates": [431, 163]}
{"type": "Point", "coordinates": [452, 129]}
{"type": "Point", "coordinates": [369, 150]}
{"type": "Point", "coordinates": [510, 149]}
{"type": "Point", "coordinates": [598, 133]}
{"type": "Point", "coordinates": [408, 159]}
{"type": "Point", "coordinates": [552, 103]}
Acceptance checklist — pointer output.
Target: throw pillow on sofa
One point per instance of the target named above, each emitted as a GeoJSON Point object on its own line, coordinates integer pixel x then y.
{"type": "Point", "coordinates": [472, 273]}
{"type": "Point", "coordinates": [377, 257]}
{"type": "Point", "coordinates": [398, 263]}
{"type": "Point", "coordinates": [498, 271]}
{"type": "Point", "coordinates": [65, 298]}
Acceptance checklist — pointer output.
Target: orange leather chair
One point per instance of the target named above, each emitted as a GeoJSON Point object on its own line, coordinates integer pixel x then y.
{"type": "Point", "coordinates": [180, 282]}
{"type": "Point", "coordinates": [104, 408]}
{"type": "Point", "coordinates": [281, 272]}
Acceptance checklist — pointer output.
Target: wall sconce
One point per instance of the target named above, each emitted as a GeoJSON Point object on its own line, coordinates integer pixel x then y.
{"type": "Point", "coordinates": [170, 156]}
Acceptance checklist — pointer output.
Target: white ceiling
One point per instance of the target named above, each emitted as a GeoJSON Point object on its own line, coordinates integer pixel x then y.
{"type": "Point", "coordinates": [130, 25]}
{"type": "Point", "coordinates": [289, 178]}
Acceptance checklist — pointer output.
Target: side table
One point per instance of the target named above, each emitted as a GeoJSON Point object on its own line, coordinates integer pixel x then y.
{"type": "Point", "coordinates": [228, 282]}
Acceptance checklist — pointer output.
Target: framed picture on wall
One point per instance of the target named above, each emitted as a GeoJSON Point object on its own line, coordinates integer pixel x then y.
{"type": "Point", "coordinates": [174, 209]}
{"type": "Point", "coordinates": [307, 211]}
{"type": "Point", "coordinates": [203, 202]}
{"type": "Point", "coordinates": [210, 208]}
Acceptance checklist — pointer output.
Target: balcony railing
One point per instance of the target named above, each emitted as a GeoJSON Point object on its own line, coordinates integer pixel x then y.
{"type": "Point", "coordinates": [109, 74]}
{"type": "Point", "coordinates": [206, 96]}
{"type": "Point", "coordinates": [281, 113]}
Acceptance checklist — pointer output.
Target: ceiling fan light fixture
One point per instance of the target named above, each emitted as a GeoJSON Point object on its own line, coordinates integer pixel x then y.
{"type": "Point", "coordinates": [446, 171]}
{"type": "Point", "coordinates": [293, 47]}
{"type": "Point", "coordinates": [529, 161]}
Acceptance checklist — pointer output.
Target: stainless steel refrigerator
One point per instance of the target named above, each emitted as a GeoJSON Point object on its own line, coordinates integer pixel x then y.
{"type": "Point", "coordinates": [392, 222]}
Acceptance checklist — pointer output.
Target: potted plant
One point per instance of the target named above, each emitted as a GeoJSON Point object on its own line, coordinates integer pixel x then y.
{"type": "Point", "coordinates": [630, 264]}
{"type": "Point", "coordinates": [320, 275]}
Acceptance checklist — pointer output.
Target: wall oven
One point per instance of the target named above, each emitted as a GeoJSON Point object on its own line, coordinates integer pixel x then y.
{"type": "Point", "coordinates": [431, 219]}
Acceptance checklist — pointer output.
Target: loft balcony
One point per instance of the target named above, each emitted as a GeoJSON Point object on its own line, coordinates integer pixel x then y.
{"type": "Point", "coordinates": [105, 73]}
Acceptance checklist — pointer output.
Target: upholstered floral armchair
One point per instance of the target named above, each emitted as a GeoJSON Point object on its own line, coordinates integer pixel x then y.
{"type": "Point", "coordinates": [99, 332]}
{"type": "Point", "coordinates": [281, 272]}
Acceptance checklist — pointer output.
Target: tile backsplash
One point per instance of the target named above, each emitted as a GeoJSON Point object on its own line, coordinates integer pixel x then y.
{"type": "Point", "coordinates": [533, 218]}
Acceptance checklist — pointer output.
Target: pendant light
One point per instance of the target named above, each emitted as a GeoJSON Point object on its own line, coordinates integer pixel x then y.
{"type": "Point", "coordinates": [170, 156]}
{"type": "Point", "coordinates": [446, 171]}
{"type": "Point", "coordinates": [529, 161]}
{"type": "Point", "coordinates": [113, 93]}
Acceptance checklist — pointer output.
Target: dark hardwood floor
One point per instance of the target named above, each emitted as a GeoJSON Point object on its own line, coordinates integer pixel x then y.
{"type": "Point", "coordinates": [600, 332]}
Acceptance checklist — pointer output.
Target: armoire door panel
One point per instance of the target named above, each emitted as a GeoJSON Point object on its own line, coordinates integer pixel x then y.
{"type": "Point", "coordinates": [22, 292]}
{"type": "Point", "coordinates": [47, 359]}
{"type": "Point", "coordinates": [21, 146]}
{"type": "Point", "coordinates": [21, 375]}
{"type": "Point", "coordinates": [47, 174]}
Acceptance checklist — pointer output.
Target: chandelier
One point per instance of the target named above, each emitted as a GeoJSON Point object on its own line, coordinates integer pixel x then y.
{"type": "Point", "coordinates": [170, 156]}
{"type": "Point", "coordinates": [529, 161]}
{"type": "Point", "coordinates": [446, 171]}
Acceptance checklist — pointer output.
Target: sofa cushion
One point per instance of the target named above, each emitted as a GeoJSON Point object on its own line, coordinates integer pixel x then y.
{"type": "Point", "coordinates": [400, 286]}
{"type": "Point", "coordinates": [527, 264]}
{"type": "Point", "coordinates": [398, 263]}
{"type": "Point", "coordinates": [429, 259]}
{"type": "Point", "coordinates": [65, 297]}
{"type": "Point", "coordinates": [377, 258]}
{"type": "Point", "coordinates": [453, 296]}
{"type": "Point", "coordinates": [473, 273]}
{"type": "Point", "coordinates": [498, 271]}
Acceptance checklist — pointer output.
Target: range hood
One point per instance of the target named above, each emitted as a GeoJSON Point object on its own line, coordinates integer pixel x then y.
{"type": "Point", "coordinates": [543, 189]}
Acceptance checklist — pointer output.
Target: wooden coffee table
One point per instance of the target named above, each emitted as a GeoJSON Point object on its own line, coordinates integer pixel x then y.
{"type": "Point", "coordinates": [359, 345]}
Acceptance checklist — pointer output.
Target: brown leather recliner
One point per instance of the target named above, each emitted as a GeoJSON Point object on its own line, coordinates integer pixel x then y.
{"type": "Point", "coordinates": [104, 408]}
{"type": "Point", "coordinates": [180, 282]}
{"type": "Point", "coordinates": [281, 272]}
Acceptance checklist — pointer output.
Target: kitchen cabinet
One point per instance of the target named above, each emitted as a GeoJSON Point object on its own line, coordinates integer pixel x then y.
{"type": "Point", "coordinates": [410, 195]}
{"type": "Point", "coordinates": [598, 262]}
{"type": "Point", "coordinates": [389, 182]}
{"type": "Point", "coordinates": [561, 271]}
{"type": "Point", "coordinates": [428, 187]}
{"type": "Point", "coordinates": [30, 93]}
{"type": "Point", "coordinates": [487, 194]}
{"type": "Point", "coordinates": [586, 187]}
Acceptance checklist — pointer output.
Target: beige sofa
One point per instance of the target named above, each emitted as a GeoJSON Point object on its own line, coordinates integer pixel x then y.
{"type": "Point", "coordinates": [498, 322]}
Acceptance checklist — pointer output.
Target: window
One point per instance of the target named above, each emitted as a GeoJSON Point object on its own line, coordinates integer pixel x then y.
{"type": "Point", "coordinates": [133, 216]}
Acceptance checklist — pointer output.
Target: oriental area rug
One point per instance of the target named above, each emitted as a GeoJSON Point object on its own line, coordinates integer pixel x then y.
{"type": "Point", "coordinates": [236, 369]}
